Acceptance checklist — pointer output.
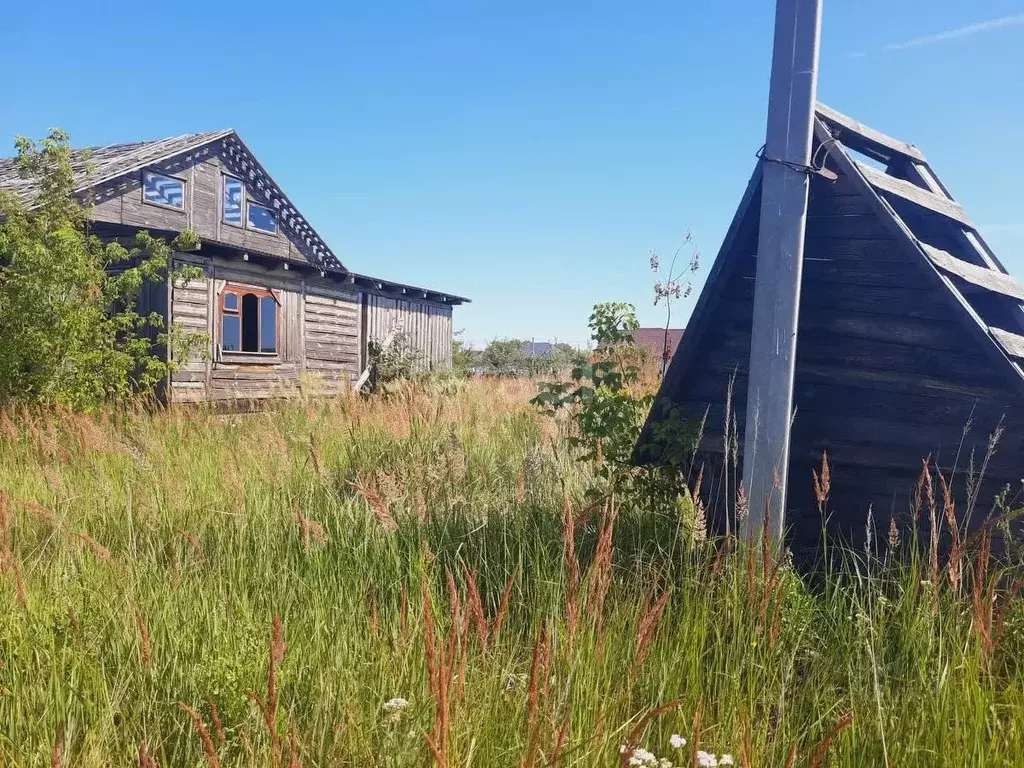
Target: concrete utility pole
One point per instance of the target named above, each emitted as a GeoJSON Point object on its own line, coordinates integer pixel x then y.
{"type": "Point", "coordinates": [780, 251]}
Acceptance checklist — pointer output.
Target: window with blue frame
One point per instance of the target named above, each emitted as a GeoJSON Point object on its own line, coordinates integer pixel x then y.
{"type": "Point", "coordinates": [233, 201]}
{"type": "Point", "coordinates": [165, 191]}
{"type": "Point", "coordinates": [248, 320]}
{"type": "Point", "coordinates": [262, 218]}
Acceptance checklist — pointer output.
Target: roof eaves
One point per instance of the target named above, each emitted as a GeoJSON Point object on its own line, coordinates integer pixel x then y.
{"type": "Point", "coordinates": [409, 291]}
{"type": "Point", "coordinates": [302, 229]}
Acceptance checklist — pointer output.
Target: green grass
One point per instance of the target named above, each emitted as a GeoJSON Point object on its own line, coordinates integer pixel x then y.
{"type": "Point", "coordinates": [188, 528]}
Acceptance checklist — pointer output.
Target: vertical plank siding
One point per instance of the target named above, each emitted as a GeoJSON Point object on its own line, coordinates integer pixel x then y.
{"type": "Point", "coordinates": [427, 327]}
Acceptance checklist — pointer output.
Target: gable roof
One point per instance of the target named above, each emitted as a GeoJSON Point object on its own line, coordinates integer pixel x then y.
{"type": "Point", "coordinates": [929, 226]}
{"type": "Point", "coordinates": [116, 160]}
{"type": "Point", "coordinates": [110, 161]}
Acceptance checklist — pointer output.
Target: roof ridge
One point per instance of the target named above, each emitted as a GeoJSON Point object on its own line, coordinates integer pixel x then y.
{"type": "Point", "coordinates": [211, 135]}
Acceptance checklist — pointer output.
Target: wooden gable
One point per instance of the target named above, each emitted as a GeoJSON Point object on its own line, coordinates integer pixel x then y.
{"type": "Point", "coordinates": [907, 339]}
{"type": "Point", "coordinates": [202, 168]}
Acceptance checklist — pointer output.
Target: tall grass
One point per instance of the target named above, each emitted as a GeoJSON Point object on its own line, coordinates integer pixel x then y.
{"type": "Point", "coordinates": [191, 589]}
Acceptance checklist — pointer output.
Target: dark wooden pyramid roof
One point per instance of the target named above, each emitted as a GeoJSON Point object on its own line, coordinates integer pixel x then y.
{"type": "Point", "coordinates": [910, 327]}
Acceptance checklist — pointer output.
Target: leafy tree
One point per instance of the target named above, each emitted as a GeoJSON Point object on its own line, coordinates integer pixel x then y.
{"type": "Point", "coordinates": [514, 356]}
{"type": "Point", "coordinates": [505, 355]}
{"type": "Point", "coordinates": [464, 357]}
{"type": "Point", "coordinates": [562, 357]}
{"type": "Point", "coordinates": [70, 329]}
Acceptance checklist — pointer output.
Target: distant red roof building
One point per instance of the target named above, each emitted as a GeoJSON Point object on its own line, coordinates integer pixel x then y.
{"type": "Point", "coordinates": [657, 340]}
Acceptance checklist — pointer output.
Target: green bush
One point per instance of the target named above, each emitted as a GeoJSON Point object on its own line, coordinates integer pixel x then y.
{"type": "Point", "coordinates": [71, 333]}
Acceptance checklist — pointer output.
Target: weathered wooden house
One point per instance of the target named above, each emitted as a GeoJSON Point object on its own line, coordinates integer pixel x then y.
{"type": "Point", "coordinates": [910, 342]}
{"type": "Point", "coordinates": [277, 305]}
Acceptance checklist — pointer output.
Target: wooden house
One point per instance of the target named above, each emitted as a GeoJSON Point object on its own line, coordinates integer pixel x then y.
{"type": "Point", "coordinates": [910, 344]}
{"type": "Point", "coordinates": [660, 343]}
{"type": "Point", "coordinates": [275, 302]}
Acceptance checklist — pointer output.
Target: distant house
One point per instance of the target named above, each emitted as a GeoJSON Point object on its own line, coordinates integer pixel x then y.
{"type": "Point", "coordinates": [661, 343]}
{"type": "Point", "coordinates": [539, 349]}
{"type": "Point", "coordinates": [274, 299]}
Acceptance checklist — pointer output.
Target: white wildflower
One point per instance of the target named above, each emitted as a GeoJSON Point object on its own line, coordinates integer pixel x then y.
{"type": "Point", "coordinates": [665, 763]}
{"type": "Point", "coordinates": [726, 759]}
{"type": "Point", "coordinates": [706, 759]}
{"type": "Point", "coordinates": [642, 758]}
{"type": "Point", "coordinates": [396, 704]}
{"type": "Point", "coordinates": [677, 741]}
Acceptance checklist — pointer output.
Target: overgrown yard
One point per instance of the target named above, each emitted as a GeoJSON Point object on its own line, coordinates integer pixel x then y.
{"type": "Point", "coordinates": [421, 579]}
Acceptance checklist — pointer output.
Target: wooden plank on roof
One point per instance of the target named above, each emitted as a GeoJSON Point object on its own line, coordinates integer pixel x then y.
{"type": "Point", "coordinates": [922, 175]}
{"type": "Point", "coordinates": [914, 194]}
{"type": "Point", "coordinates": [989, 279]}
{"type": "Point", "coordinates": [865, 139]}
{"type": "Point", "coordinates": [1012, 343]}
{"type": "Point", "coordinates": [972, 321]}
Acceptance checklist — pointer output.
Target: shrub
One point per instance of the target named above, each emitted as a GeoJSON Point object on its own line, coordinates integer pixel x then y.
{"type": "Point", "coordinates": [607, 406]}
{"type": "Point", "coordinates": [71, 332]}
{"type": "Point", "coordinates": [392, 361]}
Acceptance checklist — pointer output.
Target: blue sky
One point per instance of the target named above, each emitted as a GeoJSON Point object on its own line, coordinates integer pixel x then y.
{"type": "Point", "coordinates": [526, 154]}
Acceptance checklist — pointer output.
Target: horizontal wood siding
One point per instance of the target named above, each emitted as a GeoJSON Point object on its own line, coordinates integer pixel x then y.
{"type": "Point", "coordinates": [427, 327]}
{"type": "Point", "coordinates": [331, 333]}
{"type": "Point", "coordinates": [317, 336]}
{"type": "Point", "coordinates": [190, 312]}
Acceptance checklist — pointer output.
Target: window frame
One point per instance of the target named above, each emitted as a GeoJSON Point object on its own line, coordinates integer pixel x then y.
{"type": "Point", "coordinates": [245, 203]}
{"type": "Point", "coordinates": [225, 177]}
{"type": "Point", "coordinates": [244, 355]}
{"type": "Point", "coordinates": [184, 190]}
{"type": "Point", "coordinates": [273, 215]}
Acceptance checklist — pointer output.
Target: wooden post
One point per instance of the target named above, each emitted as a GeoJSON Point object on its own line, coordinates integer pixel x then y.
{"type": "Point", "coordinates": [787, 153]}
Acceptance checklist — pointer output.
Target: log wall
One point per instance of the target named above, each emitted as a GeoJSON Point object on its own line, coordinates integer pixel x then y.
{"type": "Point", "coordinates": [318, 328]}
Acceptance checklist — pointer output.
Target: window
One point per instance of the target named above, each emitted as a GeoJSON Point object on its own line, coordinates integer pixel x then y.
{"type": "Point", "coordinates": [258, 217]}
{"type": "Point", "coordinates": [248, 320]}
{"type": "Point", "coordinates": [232, 201]}
{"type": "Point", "coordinates": [163, 190]}
{"type": "Point", "coordinates": [262, 218]}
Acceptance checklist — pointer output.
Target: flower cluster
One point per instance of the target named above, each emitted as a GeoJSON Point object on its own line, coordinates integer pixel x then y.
{"type": "Point", "coordinates": [393, 708]}
{"type": "Point", "coordinates": [644, 758]}
{"type": "Point", "coordinates": [711, 760]}
{"type": "Point", "coordinates": [396, 704]}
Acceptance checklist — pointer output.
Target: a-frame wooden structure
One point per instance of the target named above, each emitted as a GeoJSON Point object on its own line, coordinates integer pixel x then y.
{"type": "Point", "coordinates": [910, 342]}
